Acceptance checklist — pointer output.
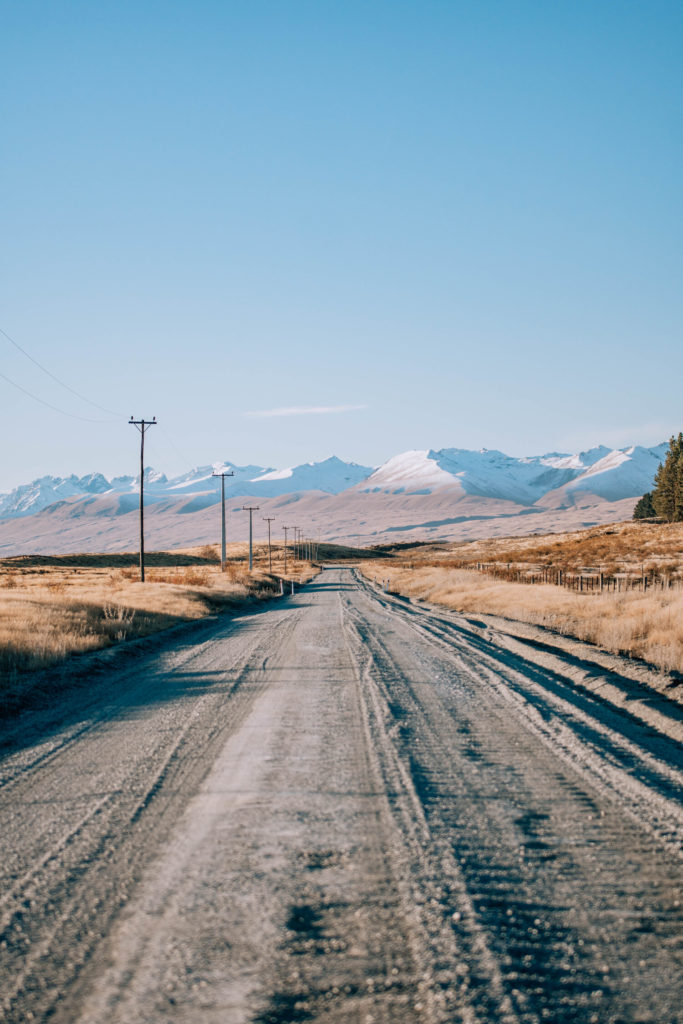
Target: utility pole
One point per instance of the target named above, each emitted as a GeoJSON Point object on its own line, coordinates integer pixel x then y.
{"type": "Point", "coordinates": [285, 528]}
{"type": "Point", "coordinates": [269, 520]}
{"type": "Point", "coordinates": [296, 542]}
{"type": "Point", "coordinates": [223, 476]}
{"type": "Point", "coordinates": [250, 509]}
{"type": "Point", "coordinates": [142, 426]}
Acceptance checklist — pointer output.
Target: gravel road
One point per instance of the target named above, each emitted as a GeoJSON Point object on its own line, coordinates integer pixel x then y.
{"type": "Point", "coordinates": [340, 808]}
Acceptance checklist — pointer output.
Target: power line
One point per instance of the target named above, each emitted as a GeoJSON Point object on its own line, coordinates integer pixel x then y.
{"type": "Point", "coordinates": [55, 408]}
{"type": "Point", "coordinates": [55, 378]}
{"type": "Point", "coordinates": [183, 456]}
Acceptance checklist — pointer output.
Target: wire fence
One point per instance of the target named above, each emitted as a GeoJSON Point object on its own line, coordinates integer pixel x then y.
{"type": "Point", "coordinates": [584, 580]}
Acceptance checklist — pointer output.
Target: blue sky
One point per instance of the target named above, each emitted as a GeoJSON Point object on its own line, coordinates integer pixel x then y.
{"type": "Point", "coordinates": [451, 224]}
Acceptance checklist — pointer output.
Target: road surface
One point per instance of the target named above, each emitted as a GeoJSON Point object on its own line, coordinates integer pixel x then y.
{"type": "Point", "coordinates": [339, 808]}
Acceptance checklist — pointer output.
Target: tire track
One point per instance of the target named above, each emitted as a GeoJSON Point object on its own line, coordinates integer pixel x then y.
{"type": "Point", "coordinates": [58, 911]}
{"type": "Point", "coordinates": [510, 840]}
{"type": "Point", "coordinates": [596, 739]}
{"type": "Point", "coordinates": [345, 810]}
{"type": "Point", "coordinates": [429, 875]}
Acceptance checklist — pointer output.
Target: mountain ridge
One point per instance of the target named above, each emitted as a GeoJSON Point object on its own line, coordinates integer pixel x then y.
{"type": "Point", "coordinates": [555, 479]}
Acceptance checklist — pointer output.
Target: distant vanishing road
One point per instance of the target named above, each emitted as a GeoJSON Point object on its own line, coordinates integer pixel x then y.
{"type": "Point", "coordinates": [339, 808]}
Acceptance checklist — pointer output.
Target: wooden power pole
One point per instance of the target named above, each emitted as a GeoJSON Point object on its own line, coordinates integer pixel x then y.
{"type": "Point", "coordinates": [223, 476]}
{"type": "Point", "coordinates": [250, 509]}
{"type": "Point", "coordinates": [286, 528]}
{"type": "Point", "coordinates": [143, 426]}
{"type": "Point", "coordinates": [269, 520]}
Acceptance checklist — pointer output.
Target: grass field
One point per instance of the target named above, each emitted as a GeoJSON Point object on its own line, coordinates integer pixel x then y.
{"type": "Point", "coordinates": [646, 625]}
{"type": "Point", "coordinates": [55, 607]}
{"type": "Point", "coordinates": [52, 607]}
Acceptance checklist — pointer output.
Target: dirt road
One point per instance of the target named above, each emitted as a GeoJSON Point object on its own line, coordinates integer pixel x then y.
{"type": "Point", "coordinates": [340, 808]}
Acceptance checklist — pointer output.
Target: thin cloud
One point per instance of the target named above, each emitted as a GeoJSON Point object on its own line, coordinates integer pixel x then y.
{"type": "Point", "coordinates": [305, 410]}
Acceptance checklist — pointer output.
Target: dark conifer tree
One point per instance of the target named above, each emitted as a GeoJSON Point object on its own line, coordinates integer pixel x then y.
{"type": "Point", "coordinates": [667, 496]}
{"type": "Point", "coordinates": [678, 484]}
{"type": "Point", "coordinates": [644, 508]}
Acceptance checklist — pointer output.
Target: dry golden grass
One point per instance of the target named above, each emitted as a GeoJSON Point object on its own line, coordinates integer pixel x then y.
{"type": "Point", "coordinates": [624, 547]}
{"type": "Point", "coordinates": [51, 608]}
{"type": "Point", "coordinates": [648, 626]}
{"type": "Point", "coordinates": [644, 625]}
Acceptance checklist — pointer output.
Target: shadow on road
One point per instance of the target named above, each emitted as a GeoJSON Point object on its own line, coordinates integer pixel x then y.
{"type": "Point", "coordinates": [117, 681]}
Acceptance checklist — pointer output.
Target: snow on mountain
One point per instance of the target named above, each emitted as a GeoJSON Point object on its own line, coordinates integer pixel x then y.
{"type": "Point", "coordinates": [560, 461]}
{"type": "Point", "coordinates": [624, 473]}
{"type": "Point", "coordinates": [94, 483]}
{"type": "Point", "coordinates": [203, 479]}
{"type": "Point", "coordinates": [331, 476]}
{"type": "Point", "coordinates": [555, 480]}
{"type": "Point", "coordinates": [33, 497]}
{"type": "Point", "coordinates": [416, 471]}
{"type": "Point", "coordinates": [485, 473]}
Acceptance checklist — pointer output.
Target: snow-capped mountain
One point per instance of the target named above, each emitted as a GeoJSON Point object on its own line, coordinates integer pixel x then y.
{"type": "Point", "coordinates": [623, 473]}
{"type": "Point", "coordinates": [203, 479]}
{"type": "Point", "coordinates": [330, 476]}
{"type": "Point", "coordinates": [611, 474]}
{"type": "Point", "coordinates": [449, 494]}
{"type": "Point", "coordinates": [30, 498]}
{"type": "Point", "coordinates": [554, 480]}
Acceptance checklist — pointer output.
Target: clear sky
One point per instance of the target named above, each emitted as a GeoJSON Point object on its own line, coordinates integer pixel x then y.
{"type": "Point", "coordinates": [453, 224]}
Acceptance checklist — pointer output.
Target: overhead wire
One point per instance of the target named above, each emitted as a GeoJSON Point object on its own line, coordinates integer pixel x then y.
{"type": "Point", "coordinates": [182, 455]}
{"type": "Point", "coordinates": [63, 412]}
{"type": "Point", "coordinates": [58, 381]}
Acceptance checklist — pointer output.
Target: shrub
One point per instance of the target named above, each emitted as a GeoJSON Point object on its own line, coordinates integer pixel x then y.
{"type": "Point", "coordinates": [645, 508]}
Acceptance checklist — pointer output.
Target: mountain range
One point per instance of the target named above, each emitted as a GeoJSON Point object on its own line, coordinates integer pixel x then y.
{"type": "Point", "coordinates": [330, 476]}
{"type": "Point", "coordinates": [449, 493]}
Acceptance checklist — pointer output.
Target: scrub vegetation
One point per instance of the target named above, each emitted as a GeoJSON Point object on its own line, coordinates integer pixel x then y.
{"type": "Point", "coordinates": [644, 622]}
{"type": "Point", "coordinates": [55, 607]}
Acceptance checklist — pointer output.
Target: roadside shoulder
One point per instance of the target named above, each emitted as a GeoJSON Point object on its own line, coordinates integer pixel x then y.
{"type": "Point", "coordinates": [638, 688]}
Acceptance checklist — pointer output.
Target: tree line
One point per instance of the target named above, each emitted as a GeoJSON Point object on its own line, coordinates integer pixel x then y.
{"type": "Point", "coordinates": [665, 501]}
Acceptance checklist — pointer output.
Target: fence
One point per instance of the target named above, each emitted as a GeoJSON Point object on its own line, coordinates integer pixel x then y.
{"type": "Point", "coordinates": [582, 580]}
